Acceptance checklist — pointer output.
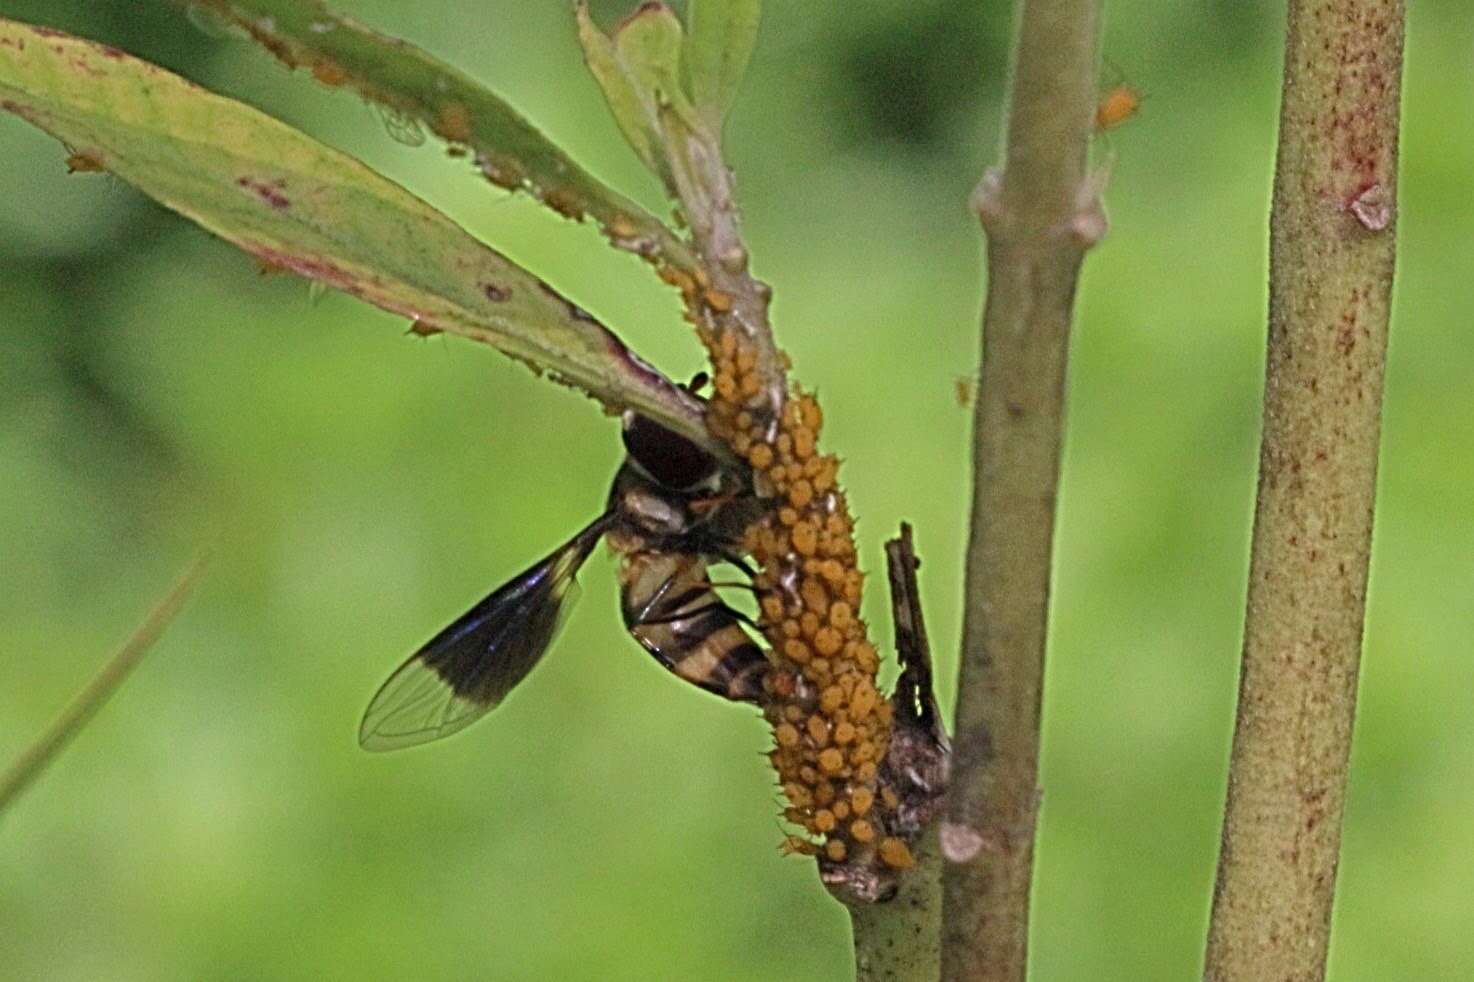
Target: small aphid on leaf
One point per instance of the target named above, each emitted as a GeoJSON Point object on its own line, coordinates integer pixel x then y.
{"type": "Point", "coordinates": [82, 162]}
{"type": "Point", "coordinates": [622, 228]}
{"type": "Point", "coordinates": [500, 173]}
{"type": "Point", "coordinates": [963, 387]}
{"type": "Point", "coordinates": [422, 330]}
{"type": "Point", "coordinates": [565, 201]}
{"type": "Point", "coordinates": [329, 72]}
{"type": "Point", "coordinates": [453, 122]}
{"type": "Point", "coordinates": [1119, 104]}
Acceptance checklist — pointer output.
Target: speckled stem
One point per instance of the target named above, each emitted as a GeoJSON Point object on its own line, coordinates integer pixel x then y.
{"type": "Point", "coordinates": [1040, 214]}
{"type": "Point", "coordinates": [899, 940]}
{"type": "Point", "coordinates": [1332, 247]}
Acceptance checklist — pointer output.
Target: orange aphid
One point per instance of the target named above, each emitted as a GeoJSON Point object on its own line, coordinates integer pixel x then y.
{"type": "Point", "coordinates": [893, 853]}
{"type": "Point", "coordinates": [422, 330]}
{"type": "Point", "coordinates": [817, 598]}
{"type": "Point", "coordinates": [622, 228]}
{"type": "Point", "coordinates": [818, 730]}
{"type": "Point", "coordinates": [329, 72]}
{"type": "Point", "coordinates": [83, 162]}
{"type": "Point", "coordinates": [827, 640]}
{"type": "Point", "coordinates": [565, 201]}
{"type": "Point", "coordinates": [797, 651]}
{"type": "Point", "coordinates": [674, 277]}
{"type": "Point", "coordinates": [453, 121]}
{"type": "Point", "coordinates": [805, 538]}
{"type": "Point", "coordinates": [1119, 104]}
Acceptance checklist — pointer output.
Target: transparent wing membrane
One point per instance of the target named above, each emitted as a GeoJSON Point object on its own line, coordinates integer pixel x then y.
{"type": "Point", "coordinates": [466, 670]}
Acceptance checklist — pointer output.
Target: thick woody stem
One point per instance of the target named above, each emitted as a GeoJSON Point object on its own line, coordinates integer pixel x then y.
{"type": "Point", "coordinates": [1332, 248]}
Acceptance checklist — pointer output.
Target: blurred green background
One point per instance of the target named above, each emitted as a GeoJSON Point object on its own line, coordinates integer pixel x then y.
{"type": "Point", "coordinates": [218, 820]}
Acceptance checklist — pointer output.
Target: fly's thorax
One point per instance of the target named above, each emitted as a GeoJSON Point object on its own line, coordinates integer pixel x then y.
{"type": "Point", "coordinates": [644, 508]}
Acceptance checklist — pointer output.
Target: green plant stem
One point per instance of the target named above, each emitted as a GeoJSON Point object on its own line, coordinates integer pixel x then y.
{"type": "Point", "coordinates": [1332, 251]}
{"type": "Point", "coordinates": [508, 150]}
{"type": "Point", "coordinates": [1040, 215]}
{"type": "Point", "coordinates": [638, 69]}
{"type": "Point", "coordinates": [707, 192]}
{"type": "Point", "coordinates": [899, 940]}
{"type": "Point", "coordinates": [33, 760]}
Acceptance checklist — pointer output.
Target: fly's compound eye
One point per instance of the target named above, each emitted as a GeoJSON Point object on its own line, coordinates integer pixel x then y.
{"type": "Point", "coordinates": [666, 456]}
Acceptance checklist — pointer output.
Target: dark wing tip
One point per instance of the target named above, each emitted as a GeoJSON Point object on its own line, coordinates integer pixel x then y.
{"type": "Point", "coordinates": [466, 670]}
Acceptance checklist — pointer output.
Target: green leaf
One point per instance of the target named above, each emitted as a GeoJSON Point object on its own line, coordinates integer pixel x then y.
{"type": "Point", "coordinates": [626, 101]}
{"type": "Point", "coordinates": [649, 43]}
{"type": "Point", "coordinates": [722, 36]}
{"type": "Point", "coordinates": [419, 90]}
{"type": "Point", "coordinates": [297, 204]}
{"type": "Point", "coordinates": [639, 69]}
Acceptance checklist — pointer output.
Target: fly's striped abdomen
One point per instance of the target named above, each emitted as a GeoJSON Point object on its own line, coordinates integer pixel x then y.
{"type": "Point", "coordinates": [672, 609]}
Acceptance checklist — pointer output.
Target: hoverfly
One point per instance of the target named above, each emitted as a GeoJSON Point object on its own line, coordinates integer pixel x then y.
{"type": "Point", "coordinates": [673, 509]}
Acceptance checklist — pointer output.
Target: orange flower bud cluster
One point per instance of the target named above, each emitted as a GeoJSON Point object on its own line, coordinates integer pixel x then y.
{"type": "Point", "coordinates": [831, 726]}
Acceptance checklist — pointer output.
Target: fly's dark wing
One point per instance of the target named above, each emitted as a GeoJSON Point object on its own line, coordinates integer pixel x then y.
{"type": "Point", "coordinates": [467, 669]}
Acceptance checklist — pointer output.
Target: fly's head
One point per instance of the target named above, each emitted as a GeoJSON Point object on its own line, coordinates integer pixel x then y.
{"type": "Point", "coordinates": [672, 492]}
